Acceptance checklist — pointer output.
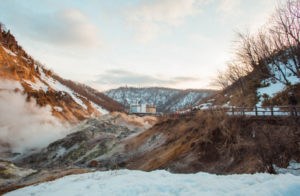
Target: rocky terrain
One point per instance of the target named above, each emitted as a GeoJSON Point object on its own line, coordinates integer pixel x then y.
{"type": "Point", "coordinates": [88, 141]}
{"type": "Point", "coordinates": [13, 177]}
{"type": "Point", "coordinates": [76, 153]}
{"type": "Point", "coordinates": [165, 99]}
{"type": "Point", "coordinates": [208, 142]}
{"type": "Point", "coordinates": [212, 143]}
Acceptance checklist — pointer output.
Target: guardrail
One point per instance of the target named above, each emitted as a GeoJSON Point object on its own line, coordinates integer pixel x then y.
{"type": "Point", "coordinates": [247, 111]}
{"type": "Point", "coordinates": [146, 114]}
{"type": "Point", "coordinates": [265, 111]}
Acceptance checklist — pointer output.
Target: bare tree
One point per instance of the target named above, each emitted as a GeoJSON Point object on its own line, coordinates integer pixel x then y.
{"type": "Point", "coordinates": [285, 31]}
{"type": "Point", "coordinates": [221, 80]}
{"type": "Point", "coordinates": [274, 52]}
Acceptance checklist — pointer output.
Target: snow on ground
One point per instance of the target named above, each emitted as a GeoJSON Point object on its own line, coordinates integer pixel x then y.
{"type": "Point", "coordinates": [272, 89]}
{"type": "Point", "coordinates": [100, 109]}
{"type": "Point", "coordinates": [58, 109]}
{"type": "Point", "coordinates": [55, 85]}
{"type": "Point", "coordinates": [276, 87]}
{"type": "Point", "coordinates": [293, 168]}
{"type": "Point", "coordinates": [9, 51]}
{"type": "Point", "coordinates": [37, 85]}
{"type": "Point", "coordinates": [131, 183]}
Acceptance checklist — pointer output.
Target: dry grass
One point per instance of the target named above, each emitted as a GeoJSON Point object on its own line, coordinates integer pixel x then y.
{"type": "Point", "coordinates": [218, 143]}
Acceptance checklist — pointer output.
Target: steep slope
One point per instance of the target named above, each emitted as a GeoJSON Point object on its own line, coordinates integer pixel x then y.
{"type": "Point", "coordinates": [209, 142]}
{"type": "Point", "coordinates": [68, 100]}
{"type": "Point", "coordinates": [216, 143]}
{"type": "Point", "coordinates": [88, 140]}
{"type": "Point", "coordinates": [258, 90]}
{"type": "Point", "coordinates": [165, 99]}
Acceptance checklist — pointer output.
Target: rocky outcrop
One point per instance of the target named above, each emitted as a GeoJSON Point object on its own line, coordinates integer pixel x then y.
{"type": "Point", "coordinates": [11, 174]}
{"type": "Point", "coordinates": [90, 140]}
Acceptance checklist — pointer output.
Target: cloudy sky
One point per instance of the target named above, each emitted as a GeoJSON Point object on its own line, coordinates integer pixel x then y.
{"type": "Point", "coordinates": [112, 43]}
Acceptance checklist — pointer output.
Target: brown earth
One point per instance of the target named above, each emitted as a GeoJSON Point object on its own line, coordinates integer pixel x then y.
{"type": "Point", "coordinates": [216, 143]}
{"type": "Point", "coordinates": [208, 142]}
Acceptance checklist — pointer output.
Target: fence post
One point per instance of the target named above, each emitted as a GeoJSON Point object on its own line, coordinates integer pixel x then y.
{"type": "Point", "coordinates": [272, 112]}
{"type": "Point", "coordinates": [255, 110]}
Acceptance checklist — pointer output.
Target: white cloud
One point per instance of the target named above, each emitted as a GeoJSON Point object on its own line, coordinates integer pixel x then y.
{"type": "Point", "coordinates": [261, 18]}
{"type": "Point", "coordinates": [152, 18]}
{"type": "Point", "coordinates": [68, 28]}
{"type": "Point", "coordinates": [228, 6]}
{"type": "Point", "coordinates": [200, 38]}
{"type": "Point", "coordinates": [63, 27]}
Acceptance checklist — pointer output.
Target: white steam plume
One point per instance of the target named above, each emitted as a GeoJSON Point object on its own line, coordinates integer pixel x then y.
{"type": "Point", "coordinates": [24, 125]}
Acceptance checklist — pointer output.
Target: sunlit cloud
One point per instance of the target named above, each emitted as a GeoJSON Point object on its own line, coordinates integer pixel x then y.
{"type": "Point", "coordinates": [117, 77]}
{"type": "Point", "coordinates": [64, 28]}
{"type": "Point", "coordinates": [151, 18]}
{"type": "Point", "coordinates": [228, 6]}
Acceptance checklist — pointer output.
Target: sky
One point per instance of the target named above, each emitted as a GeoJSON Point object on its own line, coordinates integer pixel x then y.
{"type": "Point", "coordinates": [111, 43]}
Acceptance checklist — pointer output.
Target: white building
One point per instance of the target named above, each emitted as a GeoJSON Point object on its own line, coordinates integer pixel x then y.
{"type": "Point", "coordinates": [142, 108]}
{"type": "Point", "coordinates": [137, 108]}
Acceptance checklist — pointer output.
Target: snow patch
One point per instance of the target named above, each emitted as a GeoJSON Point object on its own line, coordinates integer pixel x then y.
{"type": "Point", "coordinates": [58, 109]}
{"type": "Point", "coordinates": [275, 87]}
{"type": "Point", "coordinates": [293, 168]}
{"type": "Point", "coordinates": [9, 51]}
{"type": "Point", "coordinates": [57, 86]}
{"type": "Point", "coordinates": [37, 85]}
{"type": "Point", "coordinates": [100, 109]}
{"type": "Point", "coordinates": [125, 182]}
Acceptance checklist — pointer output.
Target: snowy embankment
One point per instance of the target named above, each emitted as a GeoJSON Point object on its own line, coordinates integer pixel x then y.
{"type": "Point", "coordinates": [125, 182]}
{"type": "Point", "coordinates": [276, 86]}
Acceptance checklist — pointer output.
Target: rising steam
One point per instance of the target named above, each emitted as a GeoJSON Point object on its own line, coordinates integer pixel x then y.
{"type": "Point", "coordinates": [24, 125]}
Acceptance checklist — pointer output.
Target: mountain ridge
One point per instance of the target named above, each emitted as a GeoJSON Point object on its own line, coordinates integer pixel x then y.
{"type": "Point", "coordinates": [165, 99]}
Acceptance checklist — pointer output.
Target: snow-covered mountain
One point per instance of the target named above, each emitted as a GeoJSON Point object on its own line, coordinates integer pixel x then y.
{"type": "Point", "coordinates": [21, 75]}
{"type": "Point", "coordinates": [165, 99]}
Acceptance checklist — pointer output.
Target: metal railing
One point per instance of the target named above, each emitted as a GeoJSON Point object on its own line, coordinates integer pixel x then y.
{"type": "Point", "coordinates": [246, 111]}
{"type": "Point", "coordinates": [264, 111]}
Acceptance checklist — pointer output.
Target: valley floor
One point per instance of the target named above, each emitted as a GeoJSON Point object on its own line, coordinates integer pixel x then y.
{"type": "Point", "coordinates": [160, 182]}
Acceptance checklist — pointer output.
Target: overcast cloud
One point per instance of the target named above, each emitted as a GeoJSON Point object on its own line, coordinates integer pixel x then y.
{"type": "Point", "coordinates": [114, 77]}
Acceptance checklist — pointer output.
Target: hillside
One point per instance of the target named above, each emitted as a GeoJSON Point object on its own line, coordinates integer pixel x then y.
{"type": "Point", "coordinates": [69, 101]}
{"type": "Point", "coordinates": [208, 142]}
{"type": "Point", "coordinates": [265, 67]}
{"type": "Point", "coordinates": [165, 99]}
